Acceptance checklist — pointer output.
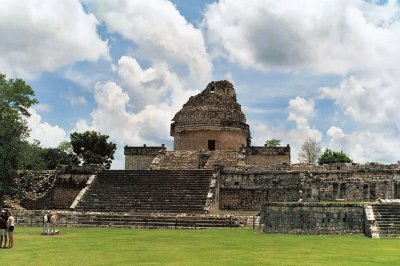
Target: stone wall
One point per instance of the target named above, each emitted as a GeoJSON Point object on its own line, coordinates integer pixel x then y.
{"type": "Point", "coordinates": [34, 183]}
{"type": "Point", "coordinates": [312, 218]}
{"type": "Point", "coordinates": [231, 139]}
{"type": "Point", "coordinates": [350, 185]}
{"type": "Point", "coordinates": [267, 156]}
{"type": "Point", "coordinates": [140, 158]}
{"type": "Point", "coordinates": [248, 190]}
{"type": "Point", "coordinates": [63, 191]}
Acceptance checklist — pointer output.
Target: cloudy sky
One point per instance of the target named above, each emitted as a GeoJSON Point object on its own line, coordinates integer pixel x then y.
{"type": "Point", "coordinates": [322, 69]}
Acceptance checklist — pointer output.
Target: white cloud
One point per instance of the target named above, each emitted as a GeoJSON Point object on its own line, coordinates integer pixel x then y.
{"type": "Point", "coordinates": [149, 124]}
{"type": "Point", "coordinates": [370, 102]}
{"type": "Point", "coordinates": [151, 86]}
{"type": "Point", "coordinates": [76, 100]}
{"type": "Point", "coordinates": [46, 35]}
{"type": "Point", "coordinates": [369, 99]}
{"type": "Point", "coordinates": [367, 145]}
{"type": "Point", "coordinates": [136, 111]}
{"type": "Point", "coordinates": [357, 40]}
{"type": "Point", "coordinates": [161, 33]}
{"type": "Point", "coordinates": [336, 133]}
{"type": "Point", "coordinates": [301, 111]}
{"type": "Point", "coordinates": [321, 36]}
{"type": "Point", "coordinates": [48, 135]}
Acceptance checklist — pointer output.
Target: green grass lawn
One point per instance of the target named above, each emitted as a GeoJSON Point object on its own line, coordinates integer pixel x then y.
{"type": "Point", "coordinates": [98, 246]}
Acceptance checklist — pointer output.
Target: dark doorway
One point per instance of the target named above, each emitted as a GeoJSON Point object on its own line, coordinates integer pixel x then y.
{"type": "Point", "coordinates": [372, 191]}
{"type": "Point", "coordinates": [211, 145]}
{"type": "Point", "coordinates": [343, 193]}
{"type": "Point", "coordinates": [397, 190]}
{"type": "Point", "coordinates": [335, 190]}
{"type": "Point", "coordinates": [366, 192]}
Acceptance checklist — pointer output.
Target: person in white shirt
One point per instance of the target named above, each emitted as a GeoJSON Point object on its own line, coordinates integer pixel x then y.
{"type": "Point", "coordinates": [10, 229]}
{"type": "Point", "coordinates": [46, 221]}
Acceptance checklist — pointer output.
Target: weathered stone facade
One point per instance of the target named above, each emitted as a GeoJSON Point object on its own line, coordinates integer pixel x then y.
{"type": "Point", "coordinates": [140, 158]}
{"type": "Point", "coordinates": [312, 218]}
{"type": "Point", "coordinates": [265, 156]}
{"type": "Point", "coordinates": [210, 130]}
{"type": "Point", "coordinates": [66, 185]}
{"type": "Point", "coordinates": [248, 189]}
{"type": "Point", "coordinates": [240, 190]}
{"type": "Point", "coordinates": [211, 120]}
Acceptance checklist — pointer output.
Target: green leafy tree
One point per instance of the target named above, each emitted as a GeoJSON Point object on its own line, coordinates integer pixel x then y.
{"type": "Point", "coordinates": [65, 146]}
{"type": "Point", "coordinates": [310, 151]}
{"type": "Point", "coordinates": [31, 156]}
{"type": "Point", "coordinates": [330, 156]}
{"type": "Point", "coordinates": [91, 147]}
{"type": "Point", "coordinates": [54, 157]}
{"type": "Point", "coordinates": [15, 99]}
{"type": "Point", "coordinates": [273, 142]}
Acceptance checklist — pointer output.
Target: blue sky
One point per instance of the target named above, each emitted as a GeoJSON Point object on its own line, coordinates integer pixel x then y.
{"type": "Point", "coordinates": [321, 69]}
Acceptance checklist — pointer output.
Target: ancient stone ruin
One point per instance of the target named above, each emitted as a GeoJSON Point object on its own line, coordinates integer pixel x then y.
{"type": "Point", "coordinates": [213, 168]}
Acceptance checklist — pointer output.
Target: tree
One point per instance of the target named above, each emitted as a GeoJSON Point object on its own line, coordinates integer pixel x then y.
{"type": "Point", "coordinates": [54, 157]}
{"type": "Point", "coordinates": [31, 156]}
{"type": "Point", "coordinates": [330, 156]}
{"type": "Point", "coordinates": [310, 151]}
{"type": "Point", "coordinates": [15, 99]}
{"type": "Point", "coordinates": [272, 142]}
{"type": "Point", "coordinates": [91, 147]}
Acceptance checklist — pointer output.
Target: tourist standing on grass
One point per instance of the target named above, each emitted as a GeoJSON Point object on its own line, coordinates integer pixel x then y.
{"type": "Point", "coordinates": [53, 223]}
{"type": "Point", "coordinates": [46, 221]}
{"type": "Point", "coordinates": [3, 229]}
{"type": "Point", "coordinates": [10, 229]}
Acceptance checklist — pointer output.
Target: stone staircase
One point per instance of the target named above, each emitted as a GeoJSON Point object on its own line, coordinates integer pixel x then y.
{"type": "Point", "coordinates": [169, 191]}
{"type": "Point", "coordinates": [225, 158]}
{"type": "Point", "coordinates": [387, 219]}
{"type": "Point", "coordinates": [176, 160]}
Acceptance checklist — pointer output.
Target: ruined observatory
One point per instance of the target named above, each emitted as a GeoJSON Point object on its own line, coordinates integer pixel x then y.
{"type": "Point", "coordinates": [211, 120]}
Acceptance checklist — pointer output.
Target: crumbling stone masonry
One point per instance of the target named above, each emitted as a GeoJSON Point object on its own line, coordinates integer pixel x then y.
{"type": "Point", "coordinates": [211, 120]}
{"type": "Point", "coordinates": [66, 185]}
{"type": "Point", "coordinates": [247, 189]}
{"type": "Point", "coordinates": [240, 190]}
{"type": "Point", "coordinates": [140, 158]}
{"type": "Point", "coordinates": [311, 218]}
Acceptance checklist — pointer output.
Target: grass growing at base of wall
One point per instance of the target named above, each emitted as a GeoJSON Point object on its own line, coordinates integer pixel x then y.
{"type": "Point", "coordinates": [97, 246]}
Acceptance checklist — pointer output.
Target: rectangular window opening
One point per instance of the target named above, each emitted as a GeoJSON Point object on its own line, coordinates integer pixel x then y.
{"type": "Point", "coordinates": [211, 145]}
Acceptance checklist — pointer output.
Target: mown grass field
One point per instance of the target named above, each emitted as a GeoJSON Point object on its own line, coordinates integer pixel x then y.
{"type": "Point", "coordinates": [99, 246]}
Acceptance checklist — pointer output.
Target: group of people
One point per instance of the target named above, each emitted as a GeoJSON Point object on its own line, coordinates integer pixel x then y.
{"type": "Point", "coordinates": [49, 223]}
{"type": "Point", "coordinates": [6, 229]}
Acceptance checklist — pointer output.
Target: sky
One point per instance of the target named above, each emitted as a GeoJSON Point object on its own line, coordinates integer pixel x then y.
{"type": "Point", "coordinates": [322, 69]}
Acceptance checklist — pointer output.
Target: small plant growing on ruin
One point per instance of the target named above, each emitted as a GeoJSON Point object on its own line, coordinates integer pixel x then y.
{"type": "Point", "coordinates": [273, 142]}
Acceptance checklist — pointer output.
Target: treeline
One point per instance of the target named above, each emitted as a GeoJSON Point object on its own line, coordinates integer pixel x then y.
{"type": "Point", "coordinates": [17, 153]}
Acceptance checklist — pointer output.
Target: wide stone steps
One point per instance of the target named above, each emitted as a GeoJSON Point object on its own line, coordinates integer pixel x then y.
{"type": "Point", "coordinates": [226, 158]}
{"type": "Point", "coordinates": [387, 219]}
{"type": "Point", "coordinates": [148, 190]}
{"type": "Point", "coordinates": [177, 160]}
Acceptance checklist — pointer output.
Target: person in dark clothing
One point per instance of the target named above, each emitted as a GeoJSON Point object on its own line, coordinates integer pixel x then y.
{"type": "Point", "coordinates": [3, 229]}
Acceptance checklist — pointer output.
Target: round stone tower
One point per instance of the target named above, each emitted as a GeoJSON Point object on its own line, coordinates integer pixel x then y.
{"type": "Point", "coordinates": [211, 120]}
